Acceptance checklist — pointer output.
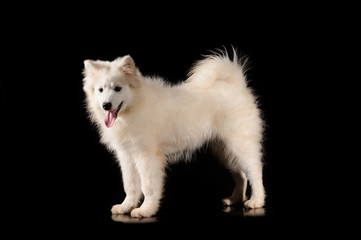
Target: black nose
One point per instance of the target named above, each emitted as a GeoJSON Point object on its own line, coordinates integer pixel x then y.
{"type": "Point", "coordinates": [107, 106]}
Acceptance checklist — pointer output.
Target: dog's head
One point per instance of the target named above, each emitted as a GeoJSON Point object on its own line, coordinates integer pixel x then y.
{"type": "Point", "coordinates": [108, 85]}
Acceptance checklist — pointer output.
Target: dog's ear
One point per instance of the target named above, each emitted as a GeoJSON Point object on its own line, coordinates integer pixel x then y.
{"type": "Point", "coordinates": [91, 66]}
{"type": "Point", "coordinates": [127, 66]}
{"type": "Point", "coordinates": [88, 65]}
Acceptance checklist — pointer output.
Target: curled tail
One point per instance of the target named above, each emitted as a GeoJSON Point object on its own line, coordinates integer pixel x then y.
{"type": "Point", "coordinates": [218, 67]}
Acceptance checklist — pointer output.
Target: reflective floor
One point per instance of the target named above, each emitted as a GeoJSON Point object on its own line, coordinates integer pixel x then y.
{"type": "Point", "coordinates": [228, 211]}
{"type": "Point", "coordinates": [257, 212]}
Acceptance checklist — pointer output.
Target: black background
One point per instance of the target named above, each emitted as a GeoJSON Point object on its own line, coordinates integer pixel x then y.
{"type": "Point", "coordinates": [65, 178]}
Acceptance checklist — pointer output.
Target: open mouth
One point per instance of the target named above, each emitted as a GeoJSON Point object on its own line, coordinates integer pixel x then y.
{"type": "Point", "coordinates": [110, 116]}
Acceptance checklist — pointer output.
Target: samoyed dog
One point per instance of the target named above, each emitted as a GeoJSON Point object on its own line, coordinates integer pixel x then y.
{"type": "Point", "coordinates": [148, 124]}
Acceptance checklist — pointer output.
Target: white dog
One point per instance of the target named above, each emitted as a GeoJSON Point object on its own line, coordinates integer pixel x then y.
{"type": "Point", "coordinates": [148, 124]}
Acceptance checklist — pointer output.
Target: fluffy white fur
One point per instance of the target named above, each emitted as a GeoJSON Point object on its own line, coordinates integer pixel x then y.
{"type": "Point", "coordinates": [158, 124]}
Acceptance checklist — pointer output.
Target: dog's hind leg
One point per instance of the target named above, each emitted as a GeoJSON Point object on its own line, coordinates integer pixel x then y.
{"type": "Point", "coordinates": [249, 156]}
{"type": "Point", "coordinates": [240, 179]}
{"type": "Point", "coordinates": [254, 174]}
{"type": "Point", "coordinates": [239, 191]}
{"type": "Point", "coordinates": [244, 161]}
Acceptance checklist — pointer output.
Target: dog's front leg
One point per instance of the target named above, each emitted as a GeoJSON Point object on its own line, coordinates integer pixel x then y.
{"type": "Point", "coordinates": [151, 171]}
{"type": "Point", "coordinates": [131, 182]}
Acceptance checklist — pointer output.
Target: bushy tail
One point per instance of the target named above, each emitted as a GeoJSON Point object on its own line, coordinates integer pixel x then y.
{"type": "Point", "coordinates": [218, 67]}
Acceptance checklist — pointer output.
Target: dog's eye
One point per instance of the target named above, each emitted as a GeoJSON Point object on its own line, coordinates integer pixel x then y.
{"type": "Point", "coordinates": [117, 89]}
{"type": "Point", "coordinates": [100, 89]}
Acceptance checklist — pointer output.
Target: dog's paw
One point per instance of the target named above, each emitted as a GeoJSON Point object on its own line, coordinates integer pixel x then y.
{"type": "Point", "coordinates": [254, 203]}
{"type": "Point", "coordinates": [231, 201]}
{"type": "Point", "coordinates": [227, 201]}
{"type": "Point", "coordinates": [142, 212]}
{"type": "Point", "coordinates": [120, 209]}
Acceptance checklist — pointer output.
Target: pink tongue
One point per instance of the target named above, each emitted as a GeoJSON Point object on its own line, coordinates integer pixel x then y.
{"type": "Point", "coordinates": [110, 118]}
